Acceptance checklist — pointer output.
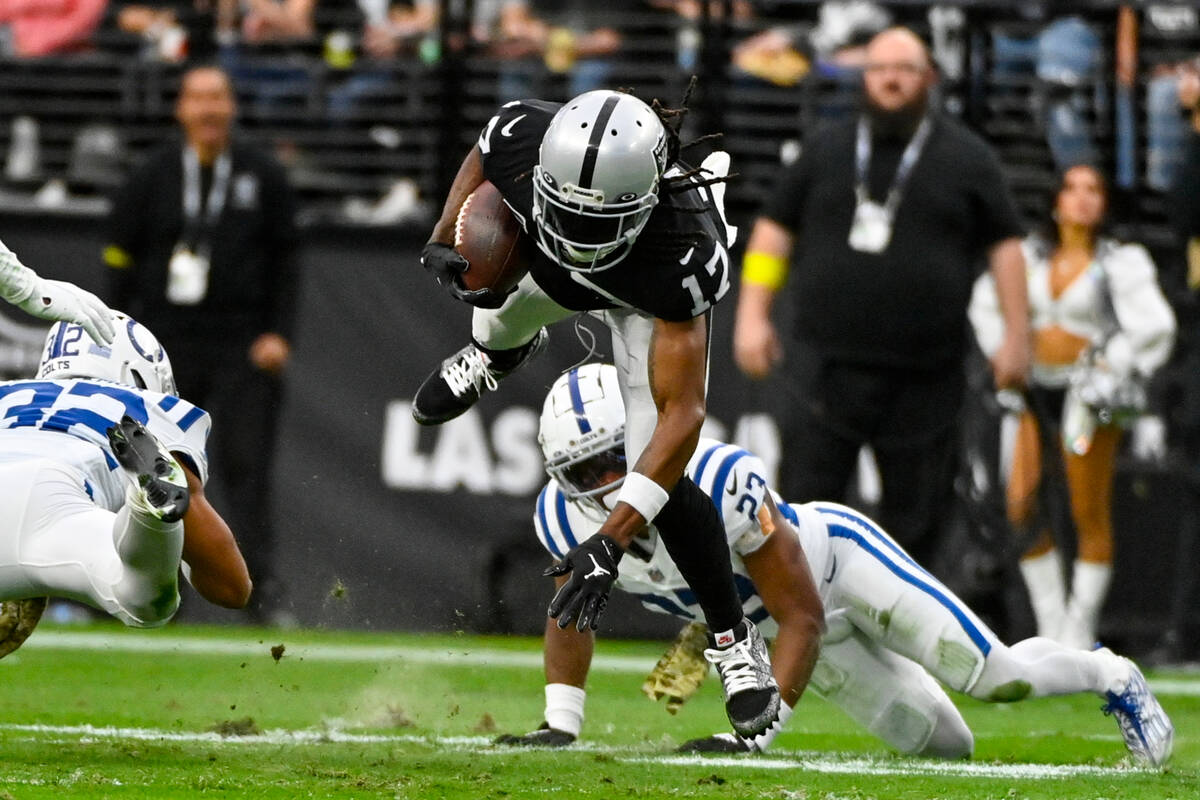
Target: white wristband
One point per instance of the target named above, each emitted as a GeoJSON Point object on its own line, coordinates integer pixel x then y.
{"type": "Point", "coordinates": [646, 496]}
{"type": "Point", "coordinates": [564, 707]}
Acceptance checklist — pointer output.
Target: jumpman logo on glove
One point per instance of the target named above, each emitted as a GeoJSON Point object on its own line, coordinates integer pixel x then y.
{"type": "Point", "coordinates": [585, 595]}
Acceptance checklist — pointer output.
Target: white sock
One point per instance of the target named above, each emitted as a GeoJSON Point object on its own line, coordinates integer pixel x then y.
{"type": "Point", "coordinates": [149, 550]}
{"type": "Point", "coordinates": [1089, 587]}
{"type": "Point", "coordinates": [1047, 593]}
{"type": "Point", "coordinates": [1051, 668]}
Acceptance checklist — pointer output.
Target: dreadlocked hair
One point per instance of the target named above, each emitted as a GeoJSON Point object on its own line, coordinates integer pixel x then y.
{"type": "Point", "coordinates": [672, 121]}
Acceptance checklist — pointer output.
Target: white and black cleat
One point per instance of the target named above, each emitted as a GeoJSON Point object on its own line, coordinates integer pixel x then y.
{"type": "Point", "coordinates": [155, 471]}
{"type": "Point", "coordinates": [752, 700]}
{"type": "Point", "coordinates": [463, 377]}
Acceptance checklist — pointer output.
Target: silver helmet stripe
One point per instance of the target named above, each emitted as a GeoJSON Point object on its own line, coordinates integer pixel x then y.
{"type": "Point", "coordinates": [588, 169]}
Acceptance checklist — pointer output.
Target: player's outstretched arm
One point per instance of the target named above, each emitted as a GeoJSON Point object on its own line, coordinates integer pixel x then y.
{"type": "Point", "coordinates": [439, 256]}
{"type": "Point", "coordinates": [678, 364]}
{"type": "Point", "coordinates": [567, 655]}
{"type": "Point", "coordinates": [218, 571]}
{"type": "Point", "coordinates": [780, 573]}
{"type": "Point", "coordinates": [52, 300]}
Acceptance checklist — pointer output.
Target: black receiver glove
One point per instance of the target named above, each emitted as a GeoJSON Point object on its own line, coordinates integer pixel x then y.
{"type": "Point", "coordinates": [592, 565]}
{"type": "Point", "coordinates": [446, 265]}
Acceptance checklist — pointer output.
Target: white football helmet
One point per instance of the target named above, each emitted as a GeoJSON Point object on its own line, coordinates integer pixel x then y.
{"type": "Point", "coordinates": [135, 358]}
{"type": "Point", "coordinates": [582, 433]}
{"type": "Point", "coordinates": [596, 180]}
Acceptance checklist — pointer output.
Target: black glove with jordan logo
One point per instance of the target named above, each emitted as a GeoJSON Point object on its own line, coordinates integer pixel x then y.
{"type": "Point", "coordinates": [592, 565]}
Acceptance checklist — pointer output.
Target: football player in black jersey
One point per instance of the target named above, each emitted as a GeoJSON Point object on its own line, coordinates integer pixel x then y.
{"type": "Point", "coordinates": [630, 234]}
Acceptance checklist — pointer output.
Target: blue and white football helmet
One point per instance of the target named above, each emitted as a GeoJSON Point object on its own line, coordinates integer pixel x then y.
{"type": "Point", "coordinates": [135, 358]}
{"type": "Point", "coordinates": [596, 180]}
{"type": "Point", "coordinates": [582, 433]}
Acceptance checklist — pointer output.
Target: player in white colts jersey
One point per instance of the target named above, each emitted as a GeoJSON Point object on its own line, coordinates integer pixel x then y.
{"type": "Point", "coordinates": [52, 300]}
{"type": "Point", "coordinates": [102, 469]}
{"type": "Point", "coordinates": [890, 627]}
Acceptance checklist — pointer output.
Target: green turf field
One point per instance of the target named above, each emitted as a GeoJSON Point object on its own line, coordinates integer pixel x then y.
{"type": "Point", "coordinates": [103, 712]}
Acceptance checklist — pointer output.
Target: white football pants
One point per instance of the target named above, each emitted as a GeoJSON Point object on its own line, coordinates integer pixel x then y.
{"type": "Point", "coordinates": [528, 309]}
{"type": "Point", "coordinates": [54, 541]}
{"type": "Point", "coordinates": [891, 625]}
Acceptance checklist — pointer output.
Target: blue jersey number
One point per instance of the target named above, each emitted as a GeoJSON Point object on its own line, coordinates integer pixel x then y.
{"type": "Point", "coordinates": [753, 480]}
{"type": "Point", "coordinates": [31, 414]}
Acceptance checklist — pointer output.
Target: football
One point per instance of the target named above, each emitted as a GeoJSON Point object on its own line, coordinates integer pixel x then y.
{"type": "Point", "coordinates": [489, 236]}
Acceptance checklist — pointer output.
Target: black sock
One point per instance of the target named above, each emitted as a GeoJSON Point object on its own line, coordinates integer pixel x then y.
{"type": "Point", "coordinates": [694, 535]}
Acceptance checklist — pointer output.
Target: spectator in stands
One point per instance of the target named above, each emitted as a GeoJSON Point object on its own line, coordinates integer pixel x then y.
{"type": "Point", "coordinates": [535, 39]}
{"type": "Point", "coordinates": [202, 248]}
{"type": "Point", "coordinates": [834, 48]}
{"type": "Point", "coordinates": [272, 60]}
{"type": "Point", "coordinates": [1101, 327]}
{"type": "Point", "coordinates": [1065, 59]}
{"type": "Point", "coordinates": [885, 217]}
{"type": "Point", "coordinates": [1168, 94]}
{"type": "Point", "coordinates": [401, 31]}
{"type": "Point", "coordinates": [32, 28]}
{"type": "Point", "coordinates": [181, 29]}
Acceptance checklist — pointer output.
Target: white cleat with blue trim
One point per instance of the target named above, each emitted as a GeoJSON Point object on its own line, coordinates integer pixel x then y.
{"type": "Point", "coordinates": [1148, 731]}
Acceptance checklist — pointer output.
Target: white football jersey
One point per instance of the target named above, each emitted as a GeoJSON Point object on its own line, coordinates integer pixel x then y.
{"type": "Point", "coordinates": [67, 420]}
{"type": "Point", "coordinates": [733, 477]}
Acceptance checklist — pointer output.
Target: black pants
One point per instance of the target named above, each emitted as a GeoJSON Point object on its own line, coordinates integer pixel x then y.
{"type": "Point", "coordinates": [217, 376]}
{"type": "Point", "coordinates": [909, 418]}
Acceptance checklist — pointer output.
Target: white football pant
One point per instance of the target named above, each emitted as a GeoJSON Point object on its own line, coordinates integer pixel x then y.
{"type": "Point", "coordinates": [892, 625]}
{"type": "Point", "coordinates": [54, 541]}
{"type": "Point", "coordinates": [528, 309]}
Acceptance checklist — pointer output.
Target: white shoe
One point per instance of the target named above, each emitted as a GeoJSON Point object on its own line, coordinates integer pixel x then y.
{"type": "Point", "coordinates": [1148, 731]}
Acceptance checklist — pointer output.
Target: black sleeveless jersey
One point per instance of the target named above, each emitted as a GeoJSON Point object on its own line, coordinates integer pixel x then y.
{"type": "Point", "coordinates": [678, 267]}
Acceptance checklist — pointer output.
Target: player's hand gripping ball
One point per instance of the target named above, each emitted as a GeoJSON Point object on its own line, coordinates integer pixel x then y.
{"type": "Point", "coordinates": [488, 236]}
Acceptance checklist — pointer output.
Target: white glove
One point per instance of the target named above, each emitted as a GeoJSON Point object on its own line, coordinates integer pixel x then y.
{"type": "Point", "coordinates": [59, 300]}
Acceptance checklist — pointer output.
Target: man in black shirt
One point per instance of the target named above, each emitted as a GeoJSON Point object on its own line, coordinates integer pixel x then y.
{"type": "Point", "coordinates": [885, 217]}
{"type": "Point", "coordinates": [202, 250]}
{"type": "Point", "coordinates": [627, 232]}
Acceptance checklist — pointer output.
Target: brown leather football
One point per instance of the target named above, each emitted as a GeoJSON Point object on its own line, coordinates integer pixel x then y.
{"type": "Point", "coordinates": [489, 236]}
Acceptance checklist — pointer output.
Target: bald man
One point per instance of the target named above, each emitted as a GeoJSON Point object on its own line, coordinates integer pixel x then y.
{"type": "Point", "coordinates": [883, 222]}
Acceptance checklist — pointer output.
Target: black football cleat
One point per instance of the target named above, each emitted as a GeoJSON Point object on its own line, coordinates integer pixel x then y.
{"type": "Point", "coordinates": [155, 471]}
{"type": "Point", "coordinates": [751, 694]}
{"type": "Point", "coordinates": [464, 376]}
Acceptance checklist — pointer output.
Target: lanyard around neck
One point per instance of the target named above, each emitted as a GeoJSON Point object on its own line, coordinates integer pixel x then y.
{"type": "Point", "coordinates": [908, 160]}
{"type": "Point", "coordinates": [211, 212]}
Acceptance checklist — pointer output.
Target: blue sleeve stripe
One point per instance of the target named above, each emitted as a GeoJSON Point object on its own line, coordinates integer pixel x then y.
{"type": "Point", "coordinates": [543, 528]}
{"type": "Point", "coordinates": [789, 512]}
{"type": "Point", "coordinates": [190, 418]}
{"type": "Point", "coordinates": [564, 524]}
{"type": "Point", "coordinates": [665, 604]}
{"type": "Point", "coordinates": [699, 473]}
{"type": "Point", "coordinates": [168, 402]}
{"type": "Point", "coordinates": [718, 484]}
{"type": "Point", "coordinates": [886, 540]}
{"type": "Point", "coordinates": [577, 402]}
{"type": "Point", "coordinates": [973, 632]}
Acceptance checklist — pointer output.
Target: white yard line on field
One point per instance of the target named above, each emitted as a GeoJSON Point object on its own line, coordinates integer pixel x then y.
{"type": "Point", "coordinates": [807, 761]}
{"type": "Point", "coordinates": [142, 642]}
{"type": "Point", "coordinates": [161, 643]}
